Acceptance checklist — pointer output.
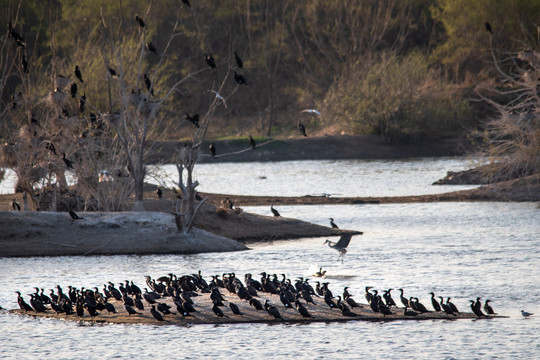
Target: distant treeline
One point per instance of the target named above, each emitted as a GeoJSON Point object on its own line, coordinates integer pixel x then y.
{"type": "Point", "coordinates": [391, 67]}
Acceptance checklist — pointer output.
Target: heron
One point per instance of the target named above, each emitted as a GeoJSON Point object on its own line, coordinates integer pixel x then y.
{"type": "Point", "coordinates": [311, 111]}
{"type": "Point", "coordinates": [341, 245]}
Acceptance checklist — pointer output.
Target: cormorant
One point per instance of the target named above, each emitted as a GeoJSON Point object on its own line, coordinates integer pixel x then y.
{"type": "Point", "coordinates": [240, 79]}
{"type": "Point", "coordinates": [24, 64]}
{"type": "Point", "coordinates": [328, 300]}
{"type": "Point", "coordinates": [349, 313]}
{"type": "Point", "coordinates": [74, 216]}
{"type": "Point", "coordinates": [252, 143]}
{"type": "Point", "coordinates": [488, 27]}
{"type": "Point", "coordinates": [333, 224]}
{"type": "Point", "coordinates": [68, 162]}
{"type": "Point", "coordinates": [452, 306]}
{"type": "Point", "coordinates": [194, 119]}
{"type": "Point", "coordinates": [403, 299]}
{"type": "Point", "coordinates": [212, 150]}
{"type": "Point", "coordinates": [476, 310]}
{"type": "Point", "coordinates": [73, 90]}
{"type": "Point", "coordinates": [368, 295]}
{"type": "Point", "coordinates": [57, 308]}
{"type": "Point", "coordinates": [82, 102]}
{"type": "Point", "coordinates": [218, 311]}
{"type": "Point", "coordinates": [210, 61]}
{"type": "Point", "coordinates": [139, 21]}
{"type": "Point", "coordinates": [187, 3]}
{"type": "Point", "coordinates": [488, 309]}
{"type": "Point", "coordinates": [148, 84]}
{"type": "Point", "coordinates": [434, 302]}
{"type": "Point", "coordinates": [159, 193]}
{"type": "Point", "coordinates": [256, 304]}
{"type": "Point", "coordinates": [302, 309]}
{"type": "Point", "coordinates": [164, 308]}
{"type": "Point", "coordinates": [419, 306]}
{"type": "Point", "coordinates": [274, 211]}
{"type": "Point", "coordinates": [112, 72]}
{"type": "Point", "coordinates": [78, 74]}
{"type": "Point", "coordinates": [15, 205]}
{"type": "Point", "coordinates": [238, 60]}
{"type": "Point", "coordinates": [447, 309]}
{"type": "Point", "coordinates": [302, 129]}
{"type": "Point", "coordinates": [341, 245]}
{"type": "Point", "coordinates": [23, 304]}
{"type": "Point", "coordinates": [272, 310]}
{"type": "Point", "coordinates": [234, 308]}
{"type": "Point", "coordinates": [36, 303]}
{"type": "Point", "coordinates": [156, 314]}
{"type": "Point", "coordinates": [151, 48]}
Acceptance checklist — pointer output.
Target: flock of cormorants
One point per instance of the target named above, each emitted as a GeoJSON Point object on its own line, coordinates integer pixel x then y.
{"type": "Point", "coordinates": [183, 291]}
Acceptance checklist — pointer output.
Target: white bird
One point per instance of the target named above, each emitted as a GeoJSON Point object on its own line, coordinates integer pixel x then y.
{"type": "Point", "coordinates": [341, 245]}
{"type": "Point", "coordinates": [526, 314]}
{"type": "Point", "coordinates": [311, 111]}
{"type": "Point", "coordinates": [220, 98]}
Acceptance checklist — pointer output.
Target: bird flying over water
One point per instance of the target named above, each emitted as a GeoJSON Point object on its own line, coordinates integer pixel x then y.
{"type": "Point", "coordinates": [341, 245]}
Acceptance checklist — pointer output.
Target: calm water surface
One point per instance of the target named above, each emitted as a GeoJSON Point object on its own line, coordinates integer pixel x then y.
{"type": "Point", "coordinates": [462, 250]}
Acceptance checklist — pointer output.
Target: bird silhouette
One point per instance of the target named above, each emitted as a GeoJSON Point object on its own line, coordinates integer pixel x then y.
{"type": "Point", "coordinates": [15, 205]}
{"type": "Point", "coordinates": [333, 224]}
{"type": "Point", "coordinates": [302, 129]}
{"type": "Point", "coordinates": [194, 119]}
{"type": "Point", "coordinates": [186, 2]}
{"type": "Point", "coordinates": [151, 48]}
{"type": "Point", "coordinates": [212, 150]}
{"type": "Point", "coordinates": [488, 27]}
{"type": "Point", "coordinates": [252, 143]}
{"type": "Point", "coordinates": [139, 21]}
{"type": "Point", "coordinates": [73, 90]}
{"type": "Point", "coordinates": [274, 211]}
{"type": "Point", "coordinates": [74, 215]}
{"type": "Point", "coordinates": [238, 60]}
{"type": "Point", "coordinates": [240, 79]}
{"type": "Point", "coordinates": [78, 73]}
{"type": "Point", "coordinates": [148, 84]}
{"type": "Point", "coordinates": [341, 245]}
{"type": "Point", "coordinates": [24, 64]}
{"type": "Point", "coordinates": [210, 61]}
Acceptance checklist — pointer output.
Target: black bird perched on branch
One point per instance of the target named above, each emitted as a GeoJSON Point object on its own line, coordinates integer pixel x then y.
{"type": "Point", "coordinates": [15, 205]}
{"type": "Point", "coordinates": [238, 60]}
{"type": "Point", "coordinates": [151, 48]}
{"type": "Point", "coordinates": [302, 129]}
{"type": "Point", "coordinates": [82, 102]}
{"type": "Point", "coordinates": [333, 224]}
{"type": "Point", "coordinates": [73, 215]}
{"type": "Point", "coordinates": [488, 27]}
{"type": "Point", "coordinates": [113, 72]}
{"type": "Point", "coordinates": [252, 143]}
{"type": "Point", "coordinates": [240, 79]}
{"type": "Point", "coordinates": [24, 64]}
{"type": "Point", "coordinates": [139, 21]}
{"type": "Point", "coordinates": [187, 3]}
{"type": "Point", "coordinates": [68, 162]}
{"type": "Point", "coordinates": [148, 84]}
{"type": "Point", "coordinates": [274, 211]}
{"type": "Point", "coordinates": [194, 119]}
{"type": "Point", "coordinates": [78, 73]}
{"type": "Point", "coordinates": [341, 245]}
{"type": "Point", "coordinates": [210, 61]}
{"type": "Point", "coordinates": [73, 90]}
{"type": "Point", "coordinates": [212, 150]}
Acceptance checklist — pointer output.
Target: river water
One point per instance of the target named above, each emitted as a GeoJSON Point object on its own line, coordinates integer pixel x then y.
{"type": "Point", "coordinates": [462, 250]}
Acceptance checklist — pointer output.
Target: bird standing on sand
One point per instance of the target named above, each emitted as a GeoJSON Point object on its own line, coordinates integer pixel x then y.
{"type": "Point", "coordinates": [274, 211]}
{"type": "Point", "coordinates": [159, 193]}
{"type": "Point", "coordinates": [526, 314]}
{"type": "Point", "coordinates": [333, 224]}
{"type": "Point", "coordinates": [341, 245]}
